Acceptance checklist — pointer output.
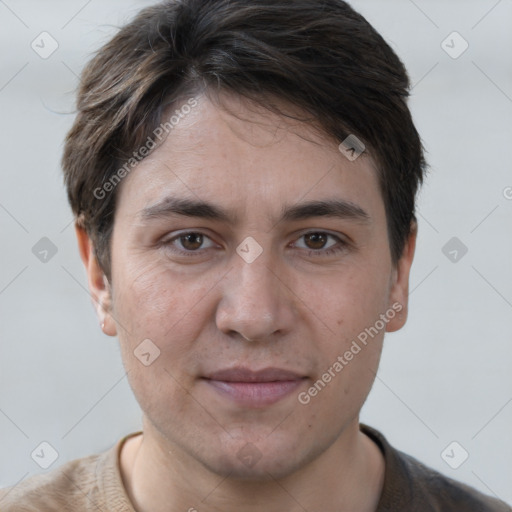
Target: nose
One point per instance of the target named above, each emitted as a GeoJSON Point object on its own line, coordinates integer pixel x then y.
{"type": "Point", "coordinates": [256, 302]}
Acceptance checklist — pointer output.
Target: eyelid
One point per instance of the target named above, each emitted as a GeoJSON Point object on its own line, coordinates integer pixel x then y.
{"type": "Point", "coordinates": [338, 236]}
{"type": "Point", "coordinates": [341, 244]}
{"type": "Point", "coordinates": [177, 235]}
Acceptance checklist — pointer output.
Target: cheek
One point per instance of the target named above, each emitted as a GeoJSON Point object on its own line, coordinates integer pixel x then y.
{"type": "Point", "coordinates": [149, 296]}
{"type": "Point", "coordinates": [345, 308]}
{"type": "Point", "coordinates": [347, 301]}
{"type": "Point", "coordinates": [151, 302]}
{"type": "Point", "coordinates": [348, 353]}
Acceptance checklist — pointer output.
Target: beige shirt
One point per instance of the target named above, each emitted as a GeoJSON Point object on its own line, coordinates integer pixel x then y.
{"type": "Point", "coordinates": [94, 484]}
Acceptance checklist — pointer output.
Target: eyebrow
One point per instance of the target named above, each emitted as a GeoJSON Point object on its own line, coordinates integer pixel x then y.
{"type": "Point", "coordinates": [173, 206]}
{"type": "Point", "coordinates": [338, 208]}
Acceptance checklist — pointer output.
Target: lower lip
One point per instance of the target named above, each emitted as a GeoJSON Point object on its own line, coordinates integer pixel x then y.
{"type": "Point", "coordinates": [255, 394]}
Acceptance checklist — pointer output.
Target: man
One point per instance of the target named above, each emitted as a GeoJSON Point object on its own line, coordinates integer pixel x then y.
{"type": "Point", "coordinates": [243, 175]}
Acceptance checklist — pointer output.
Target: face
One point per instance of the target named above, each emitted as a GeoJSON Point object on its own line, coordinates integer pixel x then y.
{"type": "Point", "coordinates": [252, 285]}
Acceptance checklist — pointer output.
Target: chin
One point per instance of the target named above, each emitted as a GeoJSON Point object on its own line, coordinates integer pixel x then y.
{"type": "Point", "coordinates": [250, 463]}
{"type": "Point", "coordinates": [261, 471]}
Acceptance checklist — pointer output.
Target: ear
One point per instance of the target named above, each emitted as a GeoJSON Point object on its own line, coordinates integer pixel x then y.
{"type": "Point", "coordinates": [399, 292]}
{"type": "Point", "coordinates": [98, 283]}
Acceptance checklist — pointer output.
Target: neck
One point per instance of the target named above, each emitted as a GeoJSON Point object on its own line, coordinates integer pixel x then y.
{"type": "Point", "coordinates": [159, 477]}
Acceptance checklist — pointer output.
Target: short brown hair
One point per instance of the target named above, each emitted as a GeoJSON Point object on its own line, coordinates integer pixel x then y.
{"type": "Point", "coordinates": [318, 55]}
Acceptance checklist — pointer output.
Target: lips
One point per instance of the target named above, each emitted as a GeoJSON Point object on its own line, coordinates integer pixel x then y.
{"type": "Point", "coordinates": [254, 388]}
{"type": "Point", "coordinates": [246, 375]}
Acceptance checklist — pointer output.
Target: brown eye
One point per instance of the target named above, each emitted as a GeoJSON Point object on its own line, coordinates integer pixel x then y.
{"type": "Point", "coordinates": [191, 241]}
{"type": "Point", "coordinates": [315, 240]}
{"type": "Point", "coordinates": [189, 244]}
{"type": "Point", "coordinates": [320, 243]}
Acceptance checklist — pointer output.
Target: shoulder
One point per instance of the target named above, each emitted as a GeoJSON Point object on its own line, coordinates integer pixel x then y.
{"type": "Point", "coordinates": [411, 485]}
{"type": "Point", "coordinates": [443, 492]}
{"type": "Point", "coordinates": [87, 484]}
{"type": "Point", "coordinates": [52, 491]}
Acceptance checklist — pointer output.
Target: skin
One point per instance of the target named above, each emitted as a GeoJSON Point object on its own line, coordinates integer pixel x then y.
{"type": "Point", "coordinates": [294, 307]}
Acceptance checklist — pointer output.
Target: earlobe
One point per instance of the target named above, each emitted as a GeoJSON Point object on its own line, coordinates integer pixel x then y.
{"type": "Point", "coordinates": [99, 286]}
{"type": "Point", "coordinates": [399, 293]}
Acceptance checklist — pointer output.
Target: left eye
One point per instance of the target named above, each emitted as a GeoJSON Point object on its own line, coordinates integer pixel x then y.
{"type": "Point", "coordinates": [318, 240]}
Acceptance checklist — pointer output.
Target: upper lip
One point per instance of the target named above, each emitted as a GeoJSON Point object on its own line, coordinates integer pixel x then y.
{"type": "Point", "coordinates": [247, 375]}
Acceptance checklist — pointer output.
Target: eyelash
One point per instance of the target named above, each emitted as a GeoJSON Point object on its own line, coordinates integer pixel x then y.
{"type": "Point", "coordinates": [339, 247]}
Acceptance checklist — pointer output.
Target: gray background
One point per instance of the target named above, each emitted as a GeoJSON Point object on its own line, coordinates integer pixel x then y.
{"type": "Point", "coordinates": [445, 377]}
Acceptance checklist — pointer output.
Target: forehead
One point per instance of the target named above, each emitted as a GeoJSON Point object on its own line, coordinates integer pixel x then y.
{"type": "Point", "coordinates": [244, 156]}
